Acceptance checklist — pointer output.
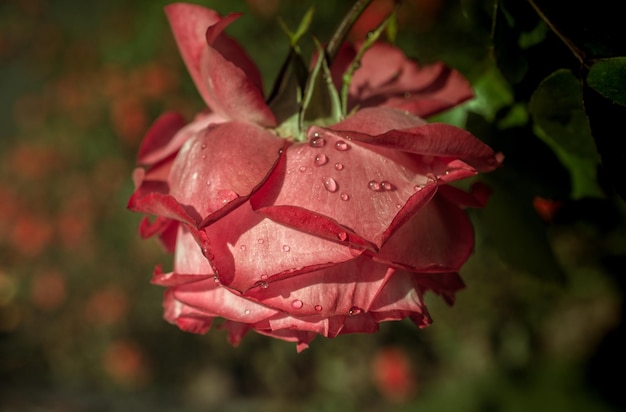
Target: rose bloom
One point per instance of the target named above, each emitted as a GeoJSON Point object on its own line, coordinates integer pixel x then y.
{"type": "Point", "coordinates": [290, 238]}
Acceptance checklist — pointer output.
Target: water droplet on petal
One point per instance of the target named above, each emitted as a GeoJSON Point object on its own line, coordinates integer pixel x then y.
{"type": "Point", "coordinates": [354, 310]}
{"type": "Point", "coordinates": [339, 166]}
{"type": "Point", "coordinates": [263, 277]}
{"type": "Point", "coordinates": [317, 141]}
{"type": "Point", "coordinates": [203, 157]}
{"type": "Point", "coordinates": [302, 169]}
{"type": "Point", "coordinates": [342, 146]}
{"type": "Point", "coordinates": [318, 308]}
{"type": "Point", "coordinates": [374, 185]}
{"type": "Point", "coordinates": [216, 279]}
{"type": "Point", "coordinates": [320, 160]}
{"type": "Point", "coordinates": [242, 248]}
{"type": "Point", "coordinates": [297, 304]}
{"type": "Point", "coordinates": [385, 185]}
{"type": "Point", "coordinates": [203, 146]}
{"type": "Point", "coordinates": [259, 241]}
{"type": "Point", "coordinates": [280, 151]}
{"type": "Point", "coordinates": [342, 236]}
{"type": "Point", "coordinates": [345, 196]}
{"type": "Point", "coordinates": [226, 196]}
{"type": "Point", "coordinates": [262, 284]}
{"type": "Point", "coordinates": [286, 248]}
{"type": "Point", "coordinates": [330, 184]}
{"type": "Point", "coordinates": [246, 312]}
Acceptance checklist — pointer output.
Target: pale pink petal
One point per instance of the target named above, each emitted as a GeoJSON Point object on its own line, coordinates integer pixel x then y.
{"type": "Point", "coordinates": [434, 140]}
{"type": "Point", "coordinates": [344, 289]}
{"type": "Point", "coordinates": [358, 194]}
{"type": "Point", "coordinates": [247, 249]}
{"type": "Point", "coordinates": [400, 82]}
{"type": "Point", "coordinates": [226, 78]}
{"type": "Point", "coordinates": [169, 133]}
{"type": "Point", "coordinates": [218, 169]}
{"type": "Point", "coordinates": [438, 238]}
{"type": "Point", "coordinates": [189, 23]}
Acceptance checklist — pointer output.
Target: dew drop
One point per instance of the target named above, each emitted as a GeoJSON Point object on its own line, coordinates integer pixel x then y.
{"type": "Point", "coordinates": [374, 185]}
{"type": "Point", "coordinates": [317, 141]}
{"type": "Point", "coordinates": [339, 166]}
{"type": "Point", "coordinates": [302, 169]}
{"type": "Point", "coordinates": [216, 280]}
{"type": "Point", "coordinates": [297, 304]}
{"type": "Point", "coordinates": [330, 184]}
{"type": "Point", "coordinates": [342, 146]}
{"type": "Point", "coordinates": [203, 146]}
{"type": "Point", "coordinates": [342, 236]}
{"type": "Point", "coordinates": [246, 312]}
{"type": "Point", "coordinates": [318, 308]}
{"type": "Point", "coordinates": [262, 284]}
{"type": "Point", "coordinates": [259, 241]}
{"type": "Point", "coordinates": [345, 196]}
{"type": "Point", "coordinates": [242, 248]}
{"type": "Point", "coordinates": [203, 157]}
{"type": "Point", "coordinates": [354, 310]}
{"type": "Point", "coordinates": [280, 151]}
{"type": "Point", "coordinates": [263, 277]}
{"type": "Point", "coordinates": [320, 160]}
{"type": "Point", "coordinates": [385, 185]}
{"type": "Point", "coordinates": [286, 248]}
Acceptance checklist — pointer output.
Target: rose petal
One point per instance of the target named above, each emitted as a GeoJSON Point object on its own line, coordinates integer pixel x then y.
{"type": "Point", "coordinates": [218, 169]}
{"type": "Point", "coordinates": [400, 82]}
{"type": "Point", "coordinates": [248, 249]}
{"type": "Point", "coordinates": [343, 289]}
{"type": "Point", "coordinates": [438, 238]}
{"type": "Point", "coordinates": [226, 78]}
{"type": "Point", "coordinates": [433, 139]}
{"type": "Point", "coordinates": [359, 194]}
{"type": "Point", "coordinates": [169, 133]}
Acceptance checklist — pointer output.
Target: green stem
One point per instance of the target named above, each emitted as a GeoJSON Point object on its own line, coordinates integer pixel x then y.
{"type": "Point", "coordinates": [371, 38]}
{"type": "Point", "coordinates": [344, 27]}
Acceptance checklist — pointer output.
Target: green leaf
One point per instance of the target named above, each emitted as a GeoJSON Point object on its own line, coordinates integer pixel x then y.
{"type": "Point", "coordinates": [561, 122]}
{"type": "Point", "coordinates": [556, 107]}
{"type": "Point", "coordinates": [506, 49]}
{"type": "Point", "coordinates": [608, 77]}
{"type": "Point", "coordinates": [492, 93]}
{"type": "Point", "coordinates": [303, 27]}
{"type": "Point", "coordinates": [517, 233]}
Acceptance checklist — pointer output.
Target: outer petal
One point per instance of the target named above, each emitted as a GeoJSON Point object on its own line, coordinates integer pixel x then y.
{"type": "Point", "coordinates": [193, 285]}
{"type": "Point", "coordinates": [402, 83]}
{"type": "Point", "coordinates": [218, 169]}
{"type": "Point", "coordinates": [226, 78]}
{"type": "Point", "coordinates": [248, 250]}
{"type": "Point", "coordinates": [347, 288]}
{"type": "Point", "coordinates": [434, 139]}
{"type": "Point", "coordinates": [439, 238]}
{"type": "Point", "coordinates": [169, 133]}
{"type": "Point", "coordinates": [348, 191]}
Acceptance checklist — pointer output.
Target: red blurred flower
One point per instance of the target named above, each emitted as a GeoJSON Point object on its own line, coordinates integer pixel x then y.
{"type": "Point", "coordinates": [328, 236]}
{"type": "Point", "coordinates": [393, 374]}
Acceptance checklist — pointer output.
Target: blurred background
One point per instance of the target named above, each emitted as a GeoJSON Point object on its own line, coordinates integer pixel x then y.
{"type": "Point", "coordinates": [539, 327]}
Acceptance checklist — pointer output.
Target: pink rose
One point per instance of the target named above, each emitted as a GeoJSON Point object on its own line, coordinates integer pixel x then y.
{"type": "Point", "coordinates": [294, 239]}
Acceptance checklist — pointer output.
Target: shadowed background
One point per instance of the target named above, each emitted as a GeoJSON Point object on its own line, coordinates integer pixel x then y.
{"type": "Point", "coordinates": [539, 326]}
